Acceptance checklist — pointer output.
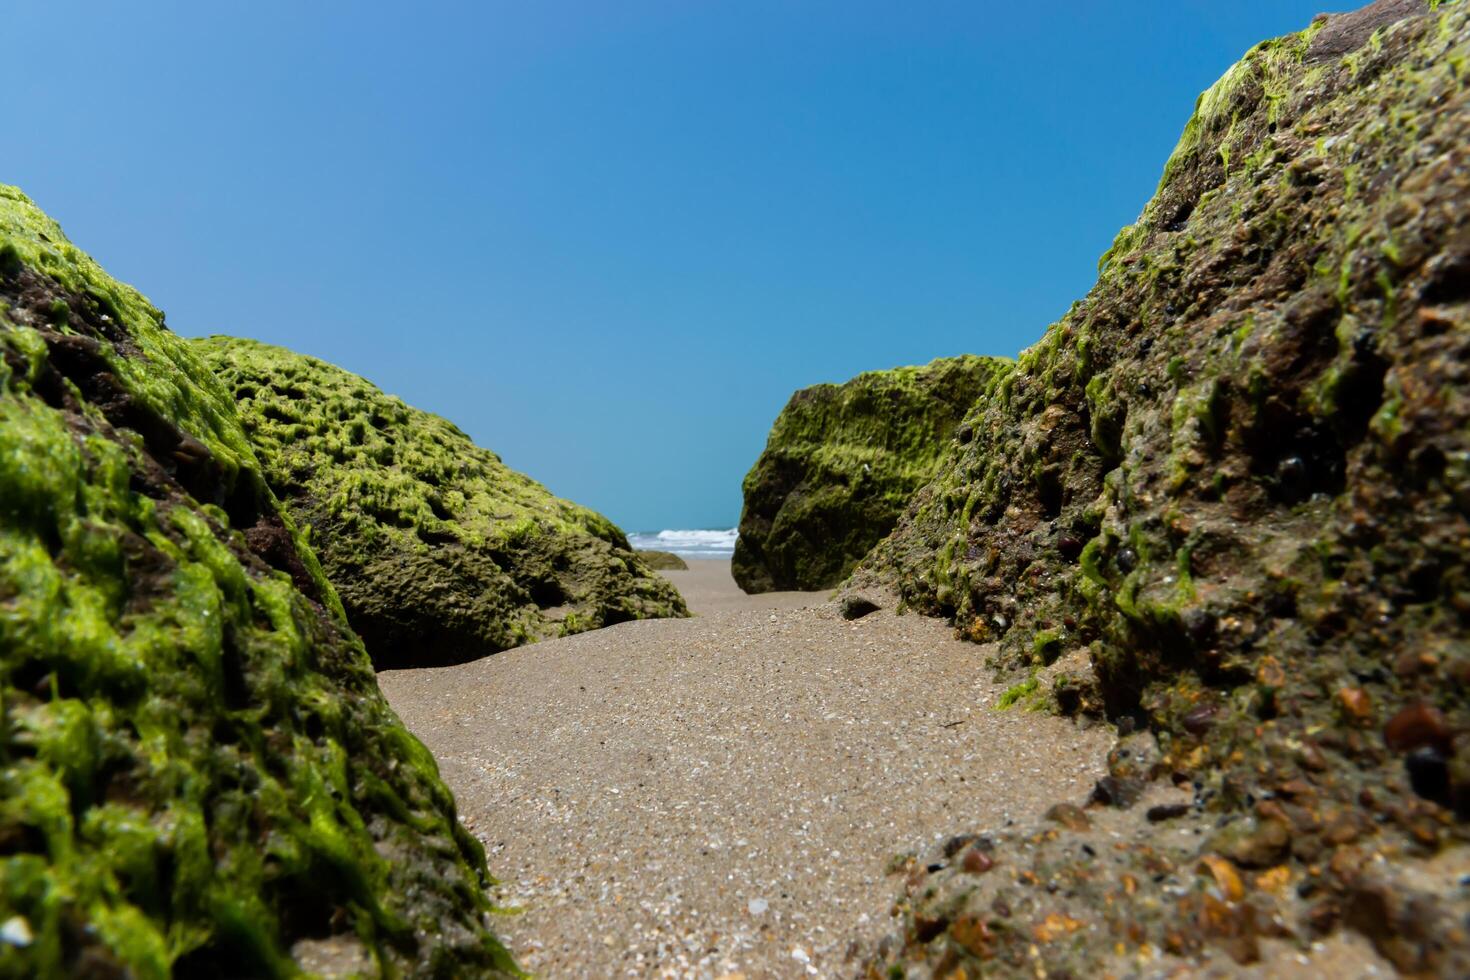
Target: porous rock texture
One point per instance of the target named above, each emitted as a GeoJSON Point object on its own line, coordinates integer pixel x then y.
{"type": "Point", "coordinates": [1236, 479]}
{"type": "Point", "coordinates": [839, 465]}
{"type": "Point", "coordinates": [441, 553]}
{"type": "Point", "coordinates": [198, 774]}
{"type": "Point", "coordinates": [663, 561]}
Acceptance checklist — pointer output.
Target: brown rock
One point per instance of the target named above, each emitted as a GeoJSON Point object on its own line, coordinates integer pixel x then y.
{"type": "Point", "coordinates": [1356, 705]}
{"type": "Point", "coordinates": [1225, 876]}
{"type": "Point", "coordinates": [1069, 816]}
{"type": "Point", "coordinates": [1417, 726]}
{"type": "Point", "coordinates": [977, 862]}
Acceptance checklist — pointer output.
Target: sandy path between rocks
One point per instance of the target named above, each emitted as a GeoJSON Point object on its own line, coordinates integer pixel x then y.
{"type": "Point", "coordinates": [721, 795]}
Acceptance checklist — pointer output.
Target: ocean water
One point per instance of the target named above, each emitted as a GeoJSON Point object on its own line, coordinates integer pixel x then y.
{"type": "Point", "coordinates": [687, 544]}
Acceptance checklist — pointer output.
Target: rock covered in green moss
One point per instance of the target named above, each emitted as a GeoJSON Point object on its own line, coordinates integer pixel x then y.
{"type": "Point", "coordinates": [440, 552]}
{"type": "Point", "coordinates": [198, 774]}
{"type": "Point", "coordinates": [663, 561]}
{"type": "Point", "coordinates": [1237, 476]}
{"type": "Point", "coordinates": [839, 465]}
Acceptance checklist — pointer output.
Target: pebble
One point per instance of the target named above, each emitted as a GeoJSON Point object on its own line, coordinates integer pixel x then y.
{"type": "Point", "coordinates": [1416, 726]}
{"type": "Point", "coordinates": [1069, 815]}
{"type": "Point", "coordinates": [1167, 811]}
{"type": "Point", "coordinates": [758, 906]}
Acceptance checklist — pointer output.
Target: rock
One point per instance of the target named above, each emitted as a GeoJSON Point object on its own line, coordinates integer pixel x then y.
{"type": "Point", "coordinates": [854, 605]}
{"type": "Point", "coordinates": [1166, 811]}
{"type": "Point", "coordinates": [1347, 32]}
{"type": "Point", "coordinates": [1416, 726]}
{"type": "Point", "coordinates": [1257, 424]}
{"type": "Point", "coordinates": [1121, 793]}
{"type": "Point", "coordinates": [663, 561]}
{"type": "Point", "coordinates": [1200, 718]}
{"type": "Point", "coordinates": [1262, 846]}
{"type": "Point", "coordinates": [959, 842]}
{"type": "Point", "coordinates": [197, 769]}
{"type": "Point", "coordinates": [1072, 683]}
{"type": "Point", "coordinates": [1068, 815]}
{"type": "Point", "coordinates": [1225, 875]}
{"type": "Point", "coordinates": [976, 861]}
{"type": "Point", "coordinates": [1357, 705]}
{"type": "Point", "coordinates": [839, 465]}
{"type": "Point", "coordinates": [441, 553]}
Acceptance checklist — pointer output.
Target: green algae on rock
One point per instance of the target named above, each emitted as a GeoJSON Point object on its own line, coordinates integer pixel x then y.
{"type": "Point", "coordinates": [1236, 477]}
{"type": "Point", "coordinates": [839, 465]}
{"type": "Point", "coordinates": [441, 553]}
{"type": "Point", "coordinates": [663, 561]}
{"type": "Point", "coordinates": [198, 774]}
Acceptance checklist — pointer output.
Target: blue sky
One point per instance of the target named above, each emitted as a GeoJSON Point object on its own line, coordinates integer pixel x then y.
{"type": "Point", "coordinates": [609, 239]}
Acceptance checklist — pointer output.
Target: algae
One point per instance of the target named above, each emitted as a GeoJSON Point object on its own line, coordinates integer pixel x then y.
{"type": "Point", "coordinates": [1229, 473]}
{"type": "Point", "coordinates": [441, 552]}
{"type": "Point", "coordinates": [198, 773]}
{"type": "Point", "coordinates": [839, 465]}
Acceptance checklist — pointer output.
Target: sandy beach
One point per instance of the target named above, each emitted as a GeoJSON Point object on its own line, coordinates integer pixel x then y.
{"type": "Point", "coordinates": [722, 795]}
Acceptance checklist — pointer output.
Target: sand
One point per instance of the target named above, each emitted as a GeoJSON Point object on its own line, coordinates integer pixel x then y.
{"type": "Point", "coordinates": [723, 795]}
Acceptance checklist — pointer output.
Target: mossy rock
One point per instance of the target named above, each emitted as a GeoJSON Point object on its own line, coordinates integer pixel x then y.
{"type": "Point", "coordinates": [441, 553]}
{"type": "Point", "coordinates": [198, 774]}
{"type": "Point", "coordinates": [839, 465]}
{"type": "Point", "coordinates": [1238, 473]}
{"type": "Point", "coordinates": [665, 561]}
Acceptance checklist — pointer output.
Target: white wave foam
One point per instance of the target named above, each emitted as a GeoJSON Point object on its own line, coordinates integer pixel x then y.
{"type": "Point", "coordinates": [689, 543]}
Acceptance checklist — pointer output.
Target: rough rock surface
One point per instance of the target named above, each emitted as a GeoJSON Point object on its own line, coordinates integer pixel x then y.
{"type": "Point", "coordinates": [663, 561]}
{"type": "Point", "coordinates": [441, 552]}
{"type": "Point", "coordinates": [839, 465]}
{"type": "Point", "coordinates": [1237, 478]}
{"type": "Point", "coordinates": [198, 774]}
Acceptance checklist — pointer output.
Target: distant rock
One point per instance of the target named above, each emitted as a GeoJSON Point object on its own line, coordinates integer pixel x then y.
{"type": "Point", "coordinates": [839, 465]}
{"type": "Point", "coordinates": [663, 561]}
{"type": "Point", "coordinates": [441, 552]}
{"type": "Point", "coordinates": [198, 774]}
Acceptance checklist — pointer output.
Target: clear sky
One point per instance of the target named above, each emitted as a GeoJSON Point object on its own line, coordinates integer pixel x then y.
{"type": "Point", "coordinates": [609, 239]}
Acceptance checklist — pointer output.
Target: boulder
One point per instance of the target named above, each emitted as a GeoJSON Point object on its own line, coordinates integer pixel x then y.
{"type": "Point", "coordinates": [441, 553]}
{"type": "Point", "coordinates": [1237, 474]}
{"type": "Point", "coordinates": [198, 774]}
{"type": "Point", "coordinates": [663, 561]}
{"type": "Point", "coordinates": [839, 465]}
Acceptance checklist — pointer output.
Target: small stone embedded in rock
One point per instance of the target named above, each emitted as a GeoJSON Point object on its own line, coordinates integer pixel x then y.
{"type": "Point", "coordinates": [1070, 816]}
{"type": "Point", "coordinates": [1357, 706]}
{"type": "Point", "coordinates": [1166, 811]}
{"type": "Point", "coordinates": [958, 843]}
{"type": "Point", "coordinates": [1121, 793]}
{"type": "Point", "coordinates": [1416, 726]}
{"type": "Point", "coordinates": [977, 861]}
{"type": "Point", "coordinates": [1263, 847]}
{"type": "Point", "coordinates": [757, 906]}
{"type": "Point", "coordinates": [1200, 718]}
{"type": "Point", "coordinates": [1225, 876]}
